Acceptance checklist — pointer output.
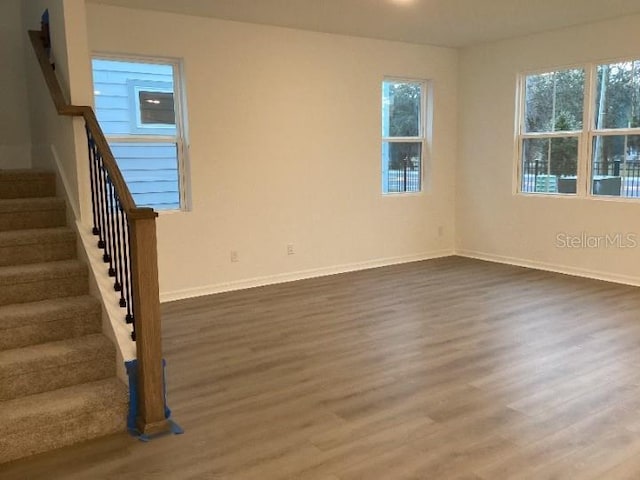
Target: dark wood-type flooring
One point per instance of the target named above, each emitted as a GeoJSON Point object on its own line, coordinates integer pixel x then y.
{"type": "Point", "coordinates": [445, 369]}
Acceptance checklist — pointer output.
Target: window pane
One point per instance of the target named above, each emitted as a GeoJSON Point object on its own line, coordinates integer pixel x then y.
{"type": "Point", "coordinates": [157, 108]}
{"type": "Point", "coordinates": [134, 98]}
{"type": "Point", "coordinates": [401, 104]}
{"type": "Point", "coordinates": [402, 166]}
{"type": "Point", "coordinates": [151, 172]}
{"type": "Point", "coordinates": [616, 166]}
{"type": "Point", "coordinates": [618, 95]}
{"type": "Point", "coordinates": [554, 101]}
{"type": "Point", "coordinates": [549, 165]}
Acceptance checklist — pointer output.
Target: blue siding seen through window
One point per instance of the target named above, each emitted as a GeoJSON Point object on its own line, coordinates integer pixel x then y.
{"type": "Point", "coordinates": [150, 172]}
{"type": "Point", "coordinates": [151, 169]}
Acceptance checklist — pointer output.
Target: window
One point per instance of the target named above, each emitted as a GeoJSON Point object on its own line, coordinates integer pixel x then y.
{"type": "Point", "coordinates": [403, 135]}
{"type": "Point", "coordinates": [138, 106]}
{"type": "Point", "coordinates": [578, 124]}
{"type": "Point", "coordinates": [153, 105]}
{"type": "Point", "coordinates": [615, 140]}
{"type": "Point", "coordinates": [156, 108]}
{"type": "Point", "coordinates": [551, 130]}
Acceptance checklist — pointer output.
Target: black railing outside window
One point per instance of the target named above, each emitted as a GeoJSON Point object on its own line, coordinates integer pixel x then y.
{"type": "Point", "coordinates": [609, 178]}
{"type": "Point", "coordinates": [405, 180]}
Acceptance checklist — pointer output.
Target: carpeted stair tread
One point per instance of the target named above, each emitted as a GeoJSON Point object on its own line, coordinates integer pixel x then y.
{"type": "Point", "coordinates": [36, 236]}
{"type": "Point", "coordinates": [31, 411]}
{"type": "Point", "coordinates": [42, 422]}
{"type": "Point", "coordinates": [45, 311]}
{"type": "Point", "coordinates": [13, 205]}
{"type": "Point", "coordinates": [54, 365]}
{"type": "Point", "coordinates": [54, 354]}
{"type": "Point", "coordinates": [40, 281]}
{"type": "Point", "coordinates": [13, 274]}
{"type": "Point", "coordinates": [30, 174]}
{"type": "Point", "coordinates": [27, 183]}
{"type": "Point", "coordinates": [9, 174]}
{"type": "Point", "coordinates": [37, 245]}
{"type": "Point", "coordinates": [32, 213]}
{"type": "Point", "coordinates": [33, 323]}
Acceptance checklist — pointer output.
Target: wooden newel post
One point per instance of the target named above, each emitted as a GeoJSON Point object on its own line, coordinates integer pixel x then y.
{"type": "Point", "coordinates": [146, 314]}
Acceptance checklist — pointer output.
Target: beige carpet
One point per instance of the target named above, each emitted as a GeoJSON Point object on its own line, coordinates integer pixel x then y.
{"type": "Point", "coordinates": [57, 370]}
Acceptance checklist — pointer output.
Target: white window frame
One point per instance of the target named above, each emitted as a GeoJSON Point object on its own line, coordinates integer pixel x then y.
{"type": "Point", "coordinates": [586, 136]}
{"type": "Point", "coordinates": [595, 132]}
{"type": "Point", "coordinates": [180, 137]}
{"type": "Point", "coordinates": [137, 86]}
{"type": "Point", "coordinates": [522, 135]}
{"type": "Point", "coordinates": [421, 138]}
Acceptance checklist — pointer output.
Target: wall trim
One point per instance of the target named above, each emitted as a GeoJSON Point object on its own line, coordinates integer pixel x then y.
{"type": "Point", "coordinates": [352, 267]}
{"type": "Point", "coordinates": [299, 275]}
{"type": "Point", "coordinates": [550, 267]}
{"type": "Point", "coordinates": [65, 183]}
{"type": "Point", "coordinates": [114, 326]}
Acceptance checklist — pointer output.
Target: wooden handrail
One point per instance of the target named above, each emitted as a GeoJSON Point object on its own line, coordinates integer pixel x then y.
{"type": "Point", "coordinates": [144, 259]}
{"type": "Point", "coordinates": [64, 108]}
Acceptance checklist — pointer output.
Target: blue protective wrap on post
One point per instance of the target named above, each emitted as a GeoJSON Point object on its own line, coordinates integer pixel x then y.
{"type": "Point", "coordinates": [132, 372]}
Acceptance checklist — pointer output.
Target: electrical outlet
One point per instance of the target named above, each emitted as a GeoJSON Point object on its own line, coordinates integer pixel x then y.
{"type": "Point", "coordinates": [234, 256]}
{"type": "Point", "coordinates": [290, 249]}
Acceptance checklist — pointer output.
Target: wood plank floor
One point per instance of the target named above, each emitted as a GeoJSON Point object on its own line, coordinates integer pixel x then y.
{"type": "Point", "coordinates": [445, 369]}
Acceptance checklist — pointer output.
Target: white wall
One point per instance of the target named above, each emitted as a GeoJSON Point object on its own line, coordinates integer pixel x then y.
{"type": "Point", "coordinates": [285, 148]}
{"type": "Point", "coordinates": [15, 137]}
{"type": "Point", "coordinates": [60, 142]}
{"type": "Point", "coordinates": [494, 223]}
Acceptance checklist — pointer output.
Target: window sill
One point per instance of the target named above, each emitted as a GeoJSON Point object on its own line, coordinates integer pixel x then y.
{"type": "Point", "coordinates": [573, 196]}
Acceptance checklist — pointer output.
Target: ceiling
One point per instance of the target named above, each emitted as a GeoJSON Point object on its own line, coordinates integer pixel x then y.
{"type": "Point", "coordinates": [452, 23]}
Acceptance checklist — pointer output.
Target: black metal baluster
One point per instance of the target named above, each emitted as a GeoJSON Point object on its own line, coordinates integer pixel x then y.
{"type": "Point", "coordinates": [92, 167]}
{"type": "Point", "coordinates": [126, 281]}
{"type": "Point", "coordinates": [110, 226]}
{"type": "Point", "coordinates": [119, 271]}
{"type": "Point", "coordinates": [127, 268]}
{"type": "Point", "coordinates": [130, 305]}
{"type": "Point", "coordinates": [102, 242]}
{"type": "Point", "coordinates": [105, 221]}
{"type": "Point", "coordinates": [99, 205]}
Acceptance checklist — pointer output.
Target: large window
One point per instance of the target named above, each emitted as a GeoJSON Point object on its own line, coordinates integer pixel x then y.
{"type": "Point", "coordinates": [578, 124]}
{"type": "Point", "coordinates": [615, 140]}
{"type": "Point", "coordinates": [403, 135]}
{"type": "Point", "coordinates": [138, 106]}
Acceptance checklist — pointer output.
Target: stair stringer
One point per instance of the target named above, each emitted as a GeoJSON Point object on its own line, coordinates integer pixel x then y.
{"type": "Point", "coordinates": [100, 284]}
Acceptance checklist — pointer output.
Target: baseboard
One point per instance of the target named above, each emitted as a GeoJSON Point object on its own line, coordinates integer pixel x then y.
{"type": "Point", "coordinates": [299, 275]}
{"type": "Point", "coordinates": [549, 267]}
{"type": "Point", "coordinates": [62, 178]}
{"type": "Point", "coordinates": [101, 288]}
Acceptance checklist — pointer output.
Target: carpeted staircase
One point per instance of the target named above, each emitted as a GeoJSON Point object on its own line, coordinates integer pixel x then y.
{"type": "Point", "coordinates": [57, 370]}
